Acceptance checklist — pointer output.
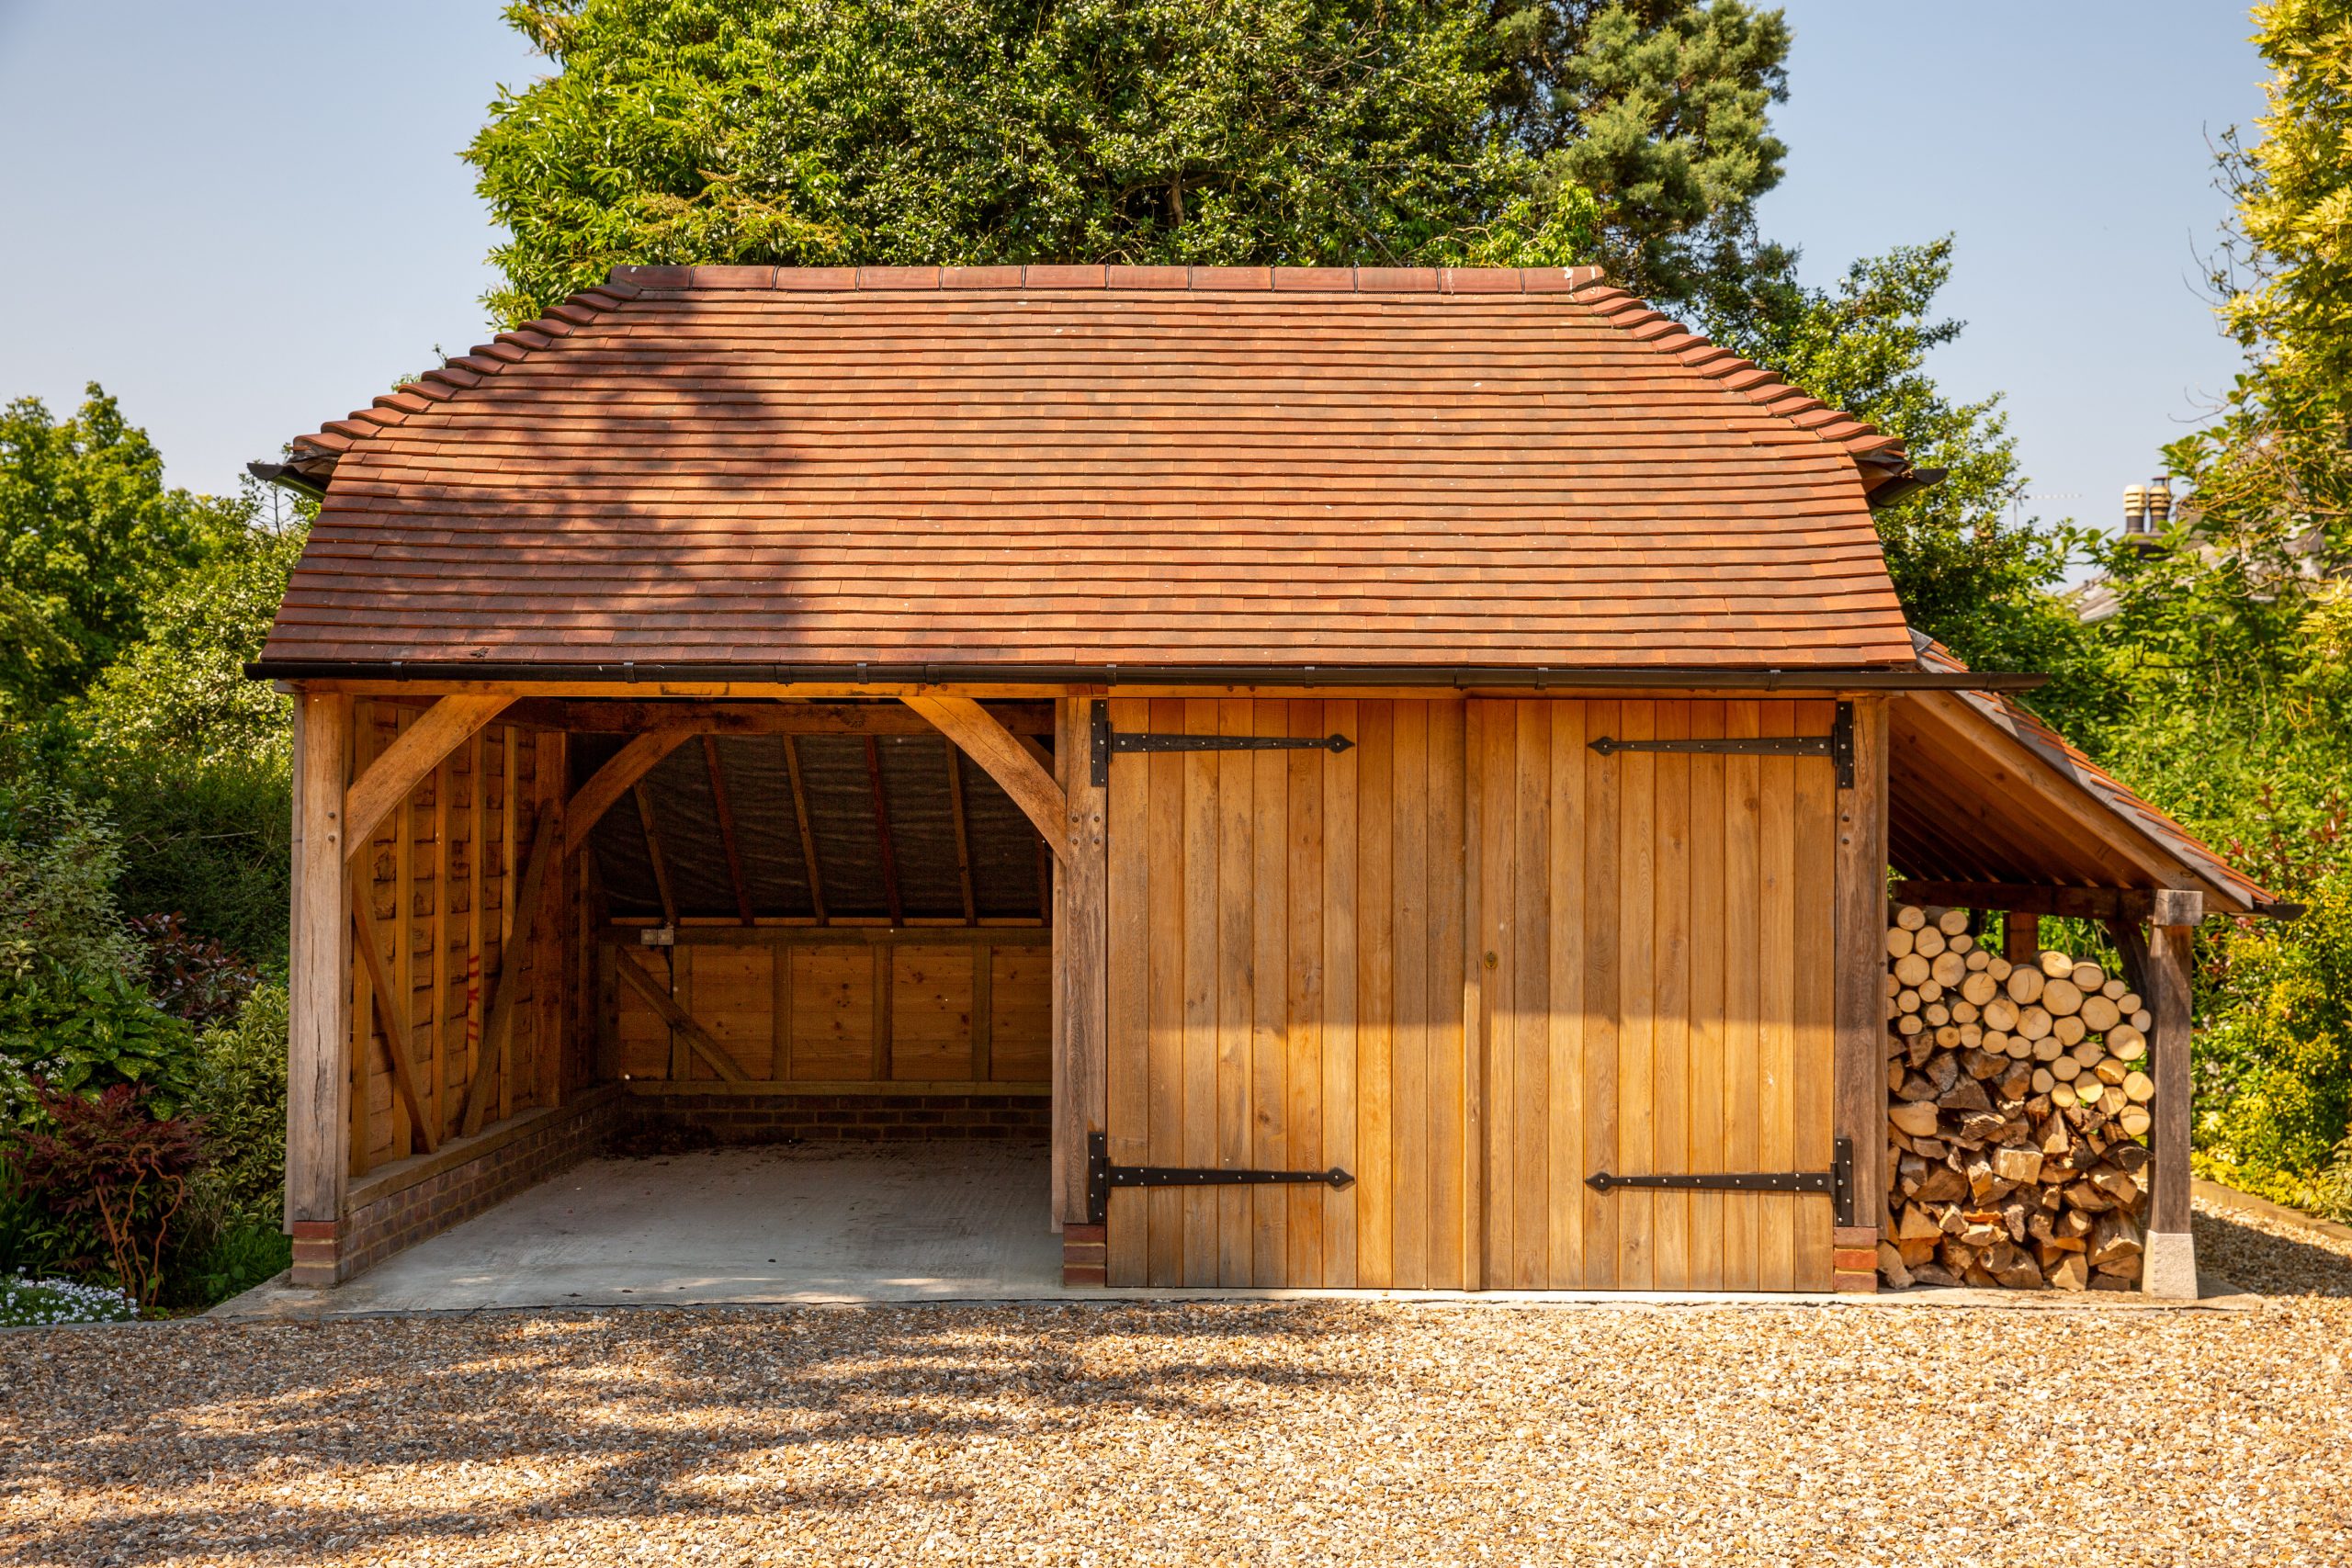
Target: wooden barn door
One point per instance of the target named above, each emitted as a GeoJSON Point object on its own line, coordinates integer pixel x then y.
{"type": "Point", "coordinates": [1287, 951]}
{"type": "Point", "coordinates": [1642, 944]}
{"type": "Point", "coordinates": [1657, 929]}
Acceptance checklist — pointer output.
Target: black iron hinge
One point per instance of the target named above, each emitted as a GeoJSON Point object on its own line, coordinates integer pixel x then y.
{"type": "Point", "coordinates": [1838, 745]}
{"type": "Point", "coordinates": [1106, 740]}
{"type": "Point", "coordinates": [1102, 1175]}
{"type": "Point", "coordinates": [1837, 1181]}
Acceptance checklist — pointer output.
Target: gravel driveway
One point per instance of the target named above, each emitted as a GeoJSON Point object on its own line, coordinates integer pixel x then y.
{"type": "Point", "coordinates": [1205, 1433]}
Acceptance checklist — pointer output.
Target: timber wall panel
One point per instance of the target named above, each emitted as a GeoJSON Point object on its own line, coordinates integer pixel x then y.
{"type": "Point", "coordinates": [738, 987]}
{"type": "Point", "coordinates": [440, 873]}
{"type": "Point", "coordinates": [1472, 962]}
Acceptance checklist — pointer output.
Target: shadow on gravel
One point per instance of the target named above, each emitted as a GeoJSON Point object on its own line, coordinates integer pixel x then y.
{"type": "Point", "coordinates": [2265, 1263]}
{"type": "Point", "coordinates": [626, 1415]}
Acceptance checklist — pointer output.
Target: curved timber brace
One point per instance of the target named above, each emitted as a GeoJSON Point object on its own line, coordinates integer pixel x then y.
{"type": "Point", "coordinates": [1102, 1175]}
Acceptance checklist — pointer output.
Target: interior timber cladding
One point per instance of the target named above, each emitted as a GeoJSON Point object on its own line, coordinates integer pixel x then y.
{"type": "Point", "coordinates": [1640, 944]}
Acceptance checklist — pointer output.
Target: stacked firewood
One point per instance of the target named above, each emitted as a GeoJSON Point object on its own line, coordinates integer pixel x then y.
{"type": "Point", "coordinates": [2017, 1095]}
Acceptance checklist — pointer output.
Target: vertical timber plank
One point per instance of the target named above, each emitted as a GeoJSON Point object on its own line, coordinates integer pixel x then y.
{"type": "Point", "coordinates": [1564, 1023]}
{"type": "Point", "coordinates": [1602, 934]}
{"type": "Point", "coordinates": [1341, 775]}
{"type": "Point", "coordinates": [1708, 936]}
{"type": "Point", "coordinates": [1373, 913]}
{"type": "Point", "coordinates": [1743, 1033]}
{"type": "Point", "coordinates": [1202, 820]}
{"type": "Point", "coordinates": [318, 1061]}
{"type": "Point", "coordinates": [1170, 851]}
{"type": "Point", "coordinates": [1079, 1101]}
{"type": "Point", "coordinates": [1408, 1029]}
{"type": "Point", "coordinates": [1860, 896]}
{"type": "Point", "coordinates": [1449, 1151]}
{"type": "Point", "coordinates": [1270, 992]}
{"type": "Point", "coordinates": [1237, 952]}
{"type": "Point", "coordinates": [1303, 1000]}
{"type": "Point", "coordinates": [360, 1022]}
{"type": "Point", "coordinates": [1777, 1001]}
{"type": "Point", "coordinates": [403, 967]}
{"type": "Point", "coordinates": [1813, 1082]}
{"type": "Point", "coordinates": [1670, 1040]}
{"type": "Point", "coordinates": [1530, 996]}
{"type": "Point", "coordinates": [1129, 1053]}
{"type": "Point", "coordinates": [1637, 997]}
{"type": "Point", "coordinates": [1498, 740]}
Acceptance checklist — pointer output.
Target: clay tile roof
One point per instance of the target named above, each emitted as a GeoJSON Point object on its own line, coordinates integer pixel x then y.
{"type": "Point", "coordinates": [2237, 892]}
{"type": "Point", "coordinates": [1089, 465]}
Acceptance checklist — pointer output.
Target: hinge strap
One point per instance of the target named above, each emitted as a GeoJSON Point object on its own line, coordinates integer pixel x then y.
{"type": "Point", "coordinates": [1837, 1181]}
{"type": "Point", "coordinates": [1106, 740]}
{"type": "Point", "coordinates": [1838, 745]}
{"type": "Point", "coordinates": [1102, 1175]}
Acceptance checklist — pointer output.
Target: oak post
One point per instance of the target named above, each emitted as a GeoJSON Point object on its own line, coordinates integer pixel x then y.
{"type": "Point", "coordinates": [2170, 1269]}
{"type": "Point", "coordinates": [2020, 936]}
{"type": "Point", "coordinates": [318, 1075]}
{"type": "Point", "coordinates": [1081, 966]}
{"type": "Point", "coordinates": [1858, 1051]}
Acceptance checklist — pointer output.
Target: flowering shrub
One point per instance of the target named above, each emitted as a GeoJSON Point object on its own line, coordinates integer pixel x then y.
{"type": "Point", "coordinates": [33, 1304]}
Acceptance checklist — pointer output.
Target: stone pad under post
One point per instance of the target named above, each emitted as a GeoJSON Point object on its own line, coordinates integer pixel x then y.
{"type": "Point", "coordinates": [2168, 1267]}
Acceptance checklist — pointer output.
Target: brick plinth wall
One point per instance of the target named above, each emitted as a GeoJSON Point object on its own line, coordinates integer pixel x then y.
{"type": "Point", "coordinates": [1085, 1255]}
{"type": "Point", "coordinates": [847, 1118]}
{"type": "Point", "coordinates": [1854, 1261]}
{"type": "Point", "coordinates": [404, 1203]}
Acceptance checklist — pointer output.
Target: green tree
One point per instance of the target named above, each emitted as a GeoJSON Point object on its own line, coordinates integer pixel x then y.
{"type": "Point", "coordinates": [1207, 131]}
{"type": "Point", "coordinates": [960, 131]}
{"type": "Point", "coordinates": [1658, 108]}
{"type": "Point", "coordinates": [88, 531]}
{"type": "Point", "coordinates": [1969, 571]}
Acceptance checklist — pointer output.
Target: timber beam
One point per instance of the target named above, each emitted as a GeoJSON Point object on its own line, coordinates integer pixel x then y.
{"type": "Point", "coordinates": [622, 717]}
{"type": "Point", "coordinates": [2158, 905]}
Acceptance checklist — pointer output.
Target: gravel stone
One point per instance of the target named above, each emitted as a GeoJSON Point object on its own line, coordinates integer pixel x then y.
{"type": "Point", "coordinates": [1208, 1433]}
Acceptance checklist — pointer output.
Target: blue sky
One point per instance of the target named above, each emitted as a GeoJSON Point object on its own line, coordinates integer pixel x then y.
{"type": "Point", "coordinates": [248, 217]}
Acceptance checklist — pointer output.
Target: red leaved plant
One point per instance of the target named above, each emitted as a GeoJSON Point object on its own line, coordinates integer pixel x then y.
{"type": "Point", "coordinates": [109, 1160]}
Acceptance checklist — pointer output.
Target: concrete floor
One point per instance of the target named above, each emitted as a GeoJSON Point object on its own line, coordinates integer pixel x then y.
{"type": "Point", "coordinates": [810, 1222]}
{"type": "Point", "coordinates": [838, 1224]}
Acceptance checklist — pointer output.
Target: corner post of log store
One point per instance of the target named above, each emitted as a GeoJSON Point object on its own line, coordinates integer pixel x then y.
{"type": "Point", "coordinates": [318, 1079]}
{"type": "Point", "coordinates": [1081, 971]}
{"type": "Point", "coordinates": [1859, 1052]}
{"type": "Point", "coordinates": [2170, 1266]}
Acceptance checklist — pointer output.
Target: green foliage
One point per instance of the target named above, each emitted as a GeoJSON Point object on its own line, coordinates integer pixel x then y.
{"type": "Point", "coordinates": [180, 690]}
{"type": "Point", "coordinates": [236, 1260]}
{"type": "Point", "coordinates": [1968, 572]}
{"type": "Point", "coordinates": [1657, 108]}
{"type": "Point", "coordinates": [2232, 644]}
{"type": "Point", "coordinates": [60, 858]}
{"type": "Point", "coordinates": [88, 531]}
{"type": "Point", "coordinates": [2274, 1064]}
{"type": "Point", "coordinates": [968, 131]}
{"type": "Point", "coordinates": [240, 1091]}
{"type": "Point", "coordinates": [194, 758]}
{"type": "Point", "coordinates": [84, 1033]}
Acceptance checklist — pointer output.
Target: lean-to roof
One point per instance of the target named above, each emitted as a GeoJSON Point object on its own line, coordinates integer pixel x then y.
{"type": "Point", "coordinates": [1050, 468]}
{"type": "Point", "coordinates": [1984, 792]}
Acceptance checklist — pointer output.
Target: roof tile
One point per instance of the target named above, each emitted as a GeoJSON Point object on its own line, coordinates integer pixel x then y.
{"type": "Point", "coordinates": [1209, 465]}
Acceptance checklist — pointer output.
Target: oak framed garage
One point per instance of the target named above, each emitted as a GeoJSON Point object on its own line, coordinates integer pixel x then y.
{"type": "Point", "coordinates": [910, 693]}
